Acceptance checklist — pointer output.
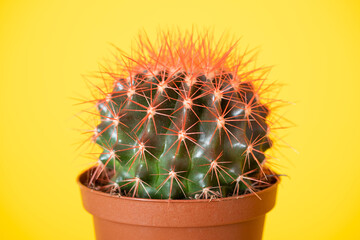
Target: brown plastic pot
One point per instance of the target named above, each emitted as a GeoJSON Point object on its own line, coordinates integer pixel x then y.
{"type": "Point", "coordinates": [240, 218]}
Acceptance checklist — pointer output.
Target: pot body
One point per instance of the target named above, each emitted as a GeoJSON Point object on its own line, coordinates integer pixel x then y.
{"type": "Point", "coordinates": [117, 218]}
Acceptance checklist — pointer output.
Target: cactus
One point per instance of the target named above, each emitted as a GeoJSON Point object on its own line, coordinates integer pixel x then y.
{"type": "Point", "coordinates": [184, 119]}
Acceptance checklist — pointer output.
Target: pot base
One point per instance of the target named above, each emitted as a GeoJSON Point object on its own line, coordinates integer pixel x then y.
{"type": "Point", "coordinates": [249, 230]}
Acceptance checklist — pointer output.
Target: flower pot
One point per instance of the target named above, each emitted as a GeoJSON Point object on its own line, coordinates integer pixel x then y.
{"type": "Point", "coordinates": [144, 219]}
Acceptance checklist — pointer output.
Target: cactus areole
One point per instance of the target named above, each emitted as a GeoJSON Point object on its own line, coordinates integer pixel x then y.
{"type": "Point", "coordinates": [183, 117]}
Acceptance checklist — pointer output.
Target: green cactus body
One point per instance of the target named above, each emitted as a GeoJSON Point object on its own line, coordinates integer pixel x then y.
{"type": "Point", "coordinates": [174, 128]}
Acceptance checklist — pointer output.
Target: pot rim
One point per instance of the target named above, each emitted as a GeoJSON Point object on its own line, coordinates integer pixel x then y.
{"type": "Point", "coordinates": [80, 177]}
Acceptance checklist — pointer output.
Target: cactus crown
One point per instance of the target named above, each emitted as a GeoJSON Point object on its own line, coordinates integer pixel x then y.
{"type": "Point", "coordinates": [184, 118]}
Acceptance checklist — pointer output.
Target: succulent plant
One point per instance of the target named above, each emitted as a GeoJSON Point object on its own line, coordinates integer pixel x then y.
{"type": "Point", "coordinates": [184, 118]}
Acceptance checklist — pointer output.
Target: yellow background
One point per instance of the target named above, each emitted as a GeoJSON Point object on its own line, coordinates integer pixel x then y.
{"type": "Point", "coordinates": [45, 46]}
